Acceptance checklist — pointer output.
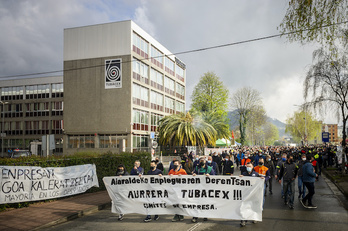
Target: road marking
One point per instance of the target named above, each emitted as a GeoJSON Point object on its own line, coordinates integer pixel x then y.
{"type": "Point", "coordinates": [195, 226]}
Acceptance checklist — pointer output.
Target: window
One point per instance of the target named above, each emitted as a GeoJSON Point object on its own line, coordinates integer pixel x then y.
{"type": "Point", "coordinates": [156, 100]}
{"type": "Point", "coordinates": [37, 91]}
{"type": "Point", "coordinates": [57, 90]}
{"type": "Point", "coordinates": [180, 107]}
{"type": "Point", "coordinates": [140, 95]}
{"type": "Point", "coordinates": [111, 141]}
{"type": "Point", "coordinates": [12, 93]}
{"type": "Point", "coordinates": [57, 108]}
{"type": "Point", "coordinates": [57, 126]}
{"type": "Point", "coordinates": [81, 141]}
{"type": "Point", "coordinates": [154, 121]}
{"type": "Point", "coordinates": [140, 142]}
{"type": "Point", "coordinates": [37, 109]}
{"type": "Point", "coordinates": [156, 79]}
{"type": "Point", "coordinates": [179, 73]}
{"type": "Point", "coordinates": [140, 71]}
{"type": "Point", "coordinates": [169, 65]}
{"type": "Point", "coordinates": [140, 46]}
{"type": "Point", "coordinates": [140, 120]}
{"type": "Point", "coordinates": [11, 110]}
{"type": "Point", "coordinates": [156, 57]}
{"type": "Point", "coordinates": [180, 91]}
{"type": "Point", "coordinates": [36, 127]}
{"type": "Point", "coordinates": [169, 105]}
{"type": "Point", "coordinates": [169, 85]}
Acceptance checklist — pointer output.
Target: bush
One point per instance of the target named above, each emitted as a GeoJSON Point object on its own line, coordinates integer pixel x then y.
{"type": "Point", "coordinates": [106, 165]}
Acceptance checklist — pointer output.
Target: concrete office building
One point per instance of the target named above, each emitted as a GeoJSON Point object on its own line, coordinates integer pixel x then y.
{"type": "Point", "coordinates": [30, 109]}
{"type": "Point", "coordinates": [118, 82]}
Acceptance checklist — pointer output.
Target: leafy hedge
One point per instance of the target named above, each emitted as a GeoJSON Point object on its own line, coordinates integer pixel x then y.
{"type": "Point", "coordinates": [106, 165]}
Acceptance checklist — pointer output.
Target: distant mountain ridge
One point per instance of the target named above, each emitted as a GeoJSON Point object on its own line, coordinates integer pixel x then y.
{"type": "Point", "coordinates": [234, 118]}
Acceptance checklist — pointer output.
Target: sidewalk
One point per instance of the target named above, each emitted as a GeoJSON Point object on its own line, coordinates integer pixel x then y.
{"type": "Point", "coordinates": [43, 215]}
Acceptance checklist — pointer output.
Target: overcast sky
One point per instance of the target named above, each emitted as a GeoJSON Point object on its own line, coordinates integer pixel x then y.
{"type": "Point", "coordinates": [31, 41]}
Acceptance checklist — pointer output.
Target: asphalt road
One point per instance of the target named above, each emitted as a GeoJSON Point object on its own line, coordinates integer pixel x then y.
{"type": "Point", "coordinates": [330, 215]}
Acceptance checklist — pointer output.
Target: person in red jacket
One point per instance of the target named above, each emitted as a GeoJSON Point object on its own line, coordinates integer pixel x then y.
{"type": "Point", "coordinates": [177, 170]}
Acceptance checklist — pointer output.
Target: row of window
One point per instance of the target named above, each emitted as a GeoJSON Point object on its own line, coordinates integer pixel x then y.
{"type": "Point", "coordinates": [32, 109]}
{"type": "Point", "coordinates": [141, 98]}
{"type": "Point", "coordinates": [105, 141]}
{"type": "Point", "coordinates": [24, 144]}
{"type": "Point", "coordinates": [37, 91]}
{"type": "Point", "coordinates": [32, 127]}
{"type": "Point", "coordinates": [157, 79]}
{"type": "Point", "coordinates": [141, 47]}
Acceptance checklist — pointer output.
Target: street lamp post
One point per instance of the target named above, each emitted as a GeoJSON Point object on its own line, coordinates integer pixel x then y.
{"type": "Point", "coordinates": [2, 128]}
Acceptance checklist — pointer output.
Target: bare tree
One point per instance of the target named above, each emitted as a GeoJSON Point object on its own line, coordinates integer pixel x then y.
{"type": "Point", "coordinates": [244, 101]}
{"type": "Point", "coordinates": [326, 85]}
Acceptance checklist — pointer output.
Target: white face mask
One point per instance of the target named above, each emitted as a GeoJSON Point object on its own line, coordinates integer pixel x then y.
{"type": "Point", "coordinates": [304, 159]}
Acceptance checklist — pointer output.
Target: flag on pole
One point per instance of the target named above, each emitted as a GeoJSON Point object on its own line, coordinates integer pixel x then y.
{"type": "Point", "coordinates": [232, 134]}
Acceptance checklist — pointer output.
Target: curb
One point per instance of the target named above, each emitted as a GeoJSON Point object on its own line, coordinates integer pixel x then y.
{"type": "Point", "coordinates": [337, 190]}
{"type": "Point", "coordinates": [74, 215]}
{"type": "Point", "coordinates": [335, 183]}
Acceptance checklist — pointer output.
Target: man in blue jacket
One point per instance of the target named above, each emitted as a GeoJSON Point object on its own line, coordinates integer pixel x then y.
{"type": "Point", "coordinates": [308, 177]}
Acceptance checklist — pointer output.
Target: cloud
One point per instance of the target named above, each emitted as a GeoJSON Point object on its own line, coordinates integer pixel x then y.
{"type": "Point", "coordinates": [32, 40]}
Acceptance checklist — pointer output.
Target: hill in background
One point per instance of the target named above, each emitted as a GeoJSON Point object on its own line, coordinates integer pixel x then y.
{"type": "Point", "coordinates": [233, 116]}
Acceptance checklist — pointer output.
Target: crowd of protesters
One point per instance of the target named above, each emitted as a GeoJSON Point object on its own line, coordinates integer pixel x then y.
{"type": "Point", "coordinates": [284, 164]}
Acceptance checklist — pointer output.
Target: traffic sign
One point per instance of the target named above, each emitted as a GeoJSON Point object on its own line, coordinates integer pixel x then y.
{"type": "Point", "coordinates": [325, 137]}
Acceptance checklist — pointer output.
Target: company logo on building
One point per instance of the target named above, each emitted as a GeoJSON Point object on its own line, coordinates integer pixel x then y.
{"type": "Point", "coordinates": [113, 73]}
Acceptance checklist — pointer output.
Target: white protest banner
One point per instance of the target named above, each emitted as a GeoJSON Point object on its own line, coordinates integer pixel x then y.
{"type": "Point", "coordinates": [227, 197]}
{"type": "Point", "coordinates": [32, 183]}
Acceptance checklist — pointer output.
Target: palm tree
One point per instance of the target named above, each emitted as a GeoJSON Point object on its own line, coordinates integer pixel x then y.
{"type": "Point", "coordinates": [183, 129]}
{"type": "Point", "coordinates": [219, 122]}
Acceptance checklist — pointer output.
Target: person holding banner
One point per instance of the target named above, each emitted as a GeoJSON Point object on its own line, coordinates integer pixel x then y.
{"type": "Point", "coordinates": [202, 169]}
{"type": "Point", "coordinates": [263, 171]}
{"type": "Point", "coordinates": [153, 171]}
{"type": "Point", "coordinates": [121, 171]}
{"type": "Point", "coordinates": [249, 172]}
{"type": "Point", "coordinates": [177, 171]}
{"type": "Point", "coordinates": [137, 170]}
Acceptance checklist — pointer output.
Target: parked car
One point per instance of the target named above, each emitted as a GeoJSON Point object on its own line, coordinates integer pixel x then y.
{"type": "Point", "coordinates": [20, 153]}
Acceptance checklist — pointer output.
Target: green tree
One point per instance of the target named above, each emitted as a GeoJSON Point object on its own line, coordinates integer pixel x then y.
{"type": "Point", "coordinates": [215, 119]}
{"type": "Point", "coordinates": [271, 133]}
{"type": "Point", "coordinates": [256, 120]}
{"type": "Point", "coordinates": [307, 17]}
{"type": "Point", "coordinates": [326, 85]}
{"type": "Point", "coordinates": [244, 101]}
{"type": "Point", "coordinates": [185, 130]}
{"type": "Point", "coordinates": [210, 94]}
{"type": "Point", "coordinates": [303, 126]}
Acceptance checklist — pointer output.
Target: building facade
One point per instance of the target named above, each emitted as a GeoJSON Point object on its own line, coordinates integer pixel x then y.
{"type": "Point", "coordinates": [31, 108]}
{"type": "Point", "coordinates": [118, 83]}
{"type": "Point", "coordinates": [333, 132]}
